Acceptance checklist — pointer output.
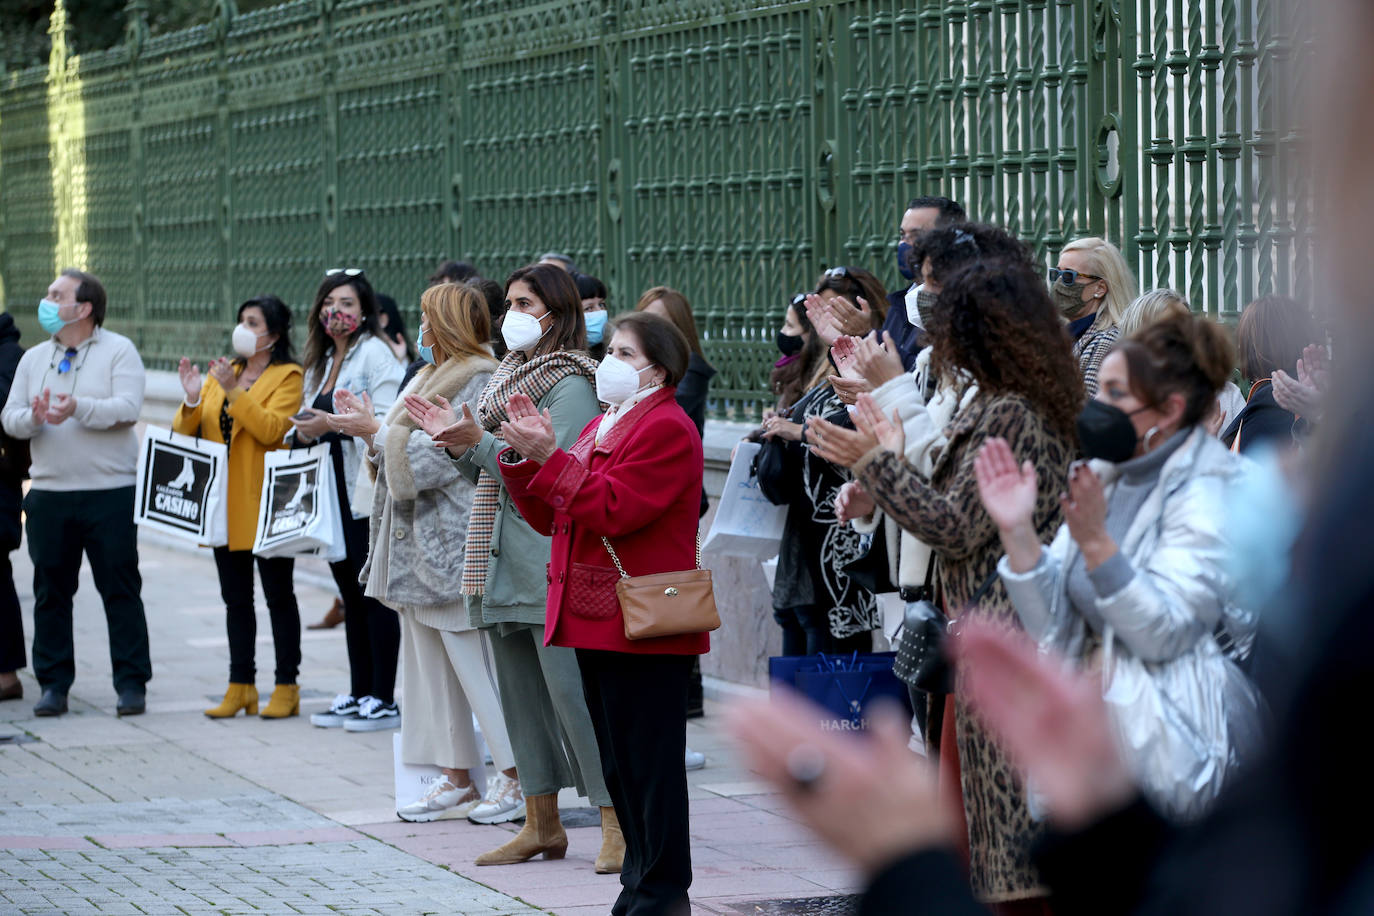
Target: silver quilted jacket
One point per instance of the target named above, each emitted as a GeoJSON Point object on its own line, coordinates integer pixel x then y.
{"type": "Point", "coordinates": [1184, 714]}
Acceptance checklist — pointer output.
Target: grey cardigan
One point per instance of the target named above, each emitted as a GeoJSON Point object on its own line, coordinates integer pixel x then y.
{"type": "Point", "coordinates": [420, 507]}
{"type": "Point", "coordinates": [517, 583]}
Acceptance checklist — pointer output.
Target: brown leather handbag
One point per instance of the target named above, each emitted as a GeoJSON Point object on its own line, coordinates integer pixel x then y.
{"type": "Point", "coordinates": [666, 604]}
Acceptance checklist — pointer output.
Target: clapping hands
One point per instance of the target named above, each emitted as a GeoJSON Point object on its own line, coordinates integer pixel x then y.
{"type": "Point", "coordinates": [353, 415]}
{"type": "Point", "coordinates": [1305, 394]}
{"type": "Point", "coordinates": [846, 447]}
{"type": "Point", "coordinates": [447, 429]}
{"type": "Point", "coordinates": [527, 430]}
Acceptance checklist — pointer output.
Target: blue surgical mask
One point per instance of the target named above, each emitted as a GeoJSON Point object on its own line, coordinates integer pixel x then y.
{"type": "Point", "coordinates": [596, 326]}
{"type": "Point", "coordinates": [426, 353]}
{"type": "Point", "coordinates": [904, 255]}
{"type": "Point", "coordinates": [48, 316]}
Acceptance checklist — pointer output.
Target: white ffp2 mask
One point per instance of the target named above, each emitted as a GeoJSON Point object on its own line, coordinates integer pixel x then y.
{"type": "Point", "coordinates": [616, 380]}
{"type": "Point", "coordinates": [521, 331]}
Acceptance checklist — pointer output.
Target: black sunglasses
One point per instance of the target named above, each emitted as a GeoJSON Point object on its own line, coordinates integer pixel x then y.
{"type": "Point", "coordinates": [1070, 277]}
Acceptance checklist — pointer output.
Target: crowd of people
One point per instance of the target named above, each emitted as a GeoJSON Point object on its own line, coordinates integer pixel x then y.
{"type": "Point", "coordinates": [1042, 448]}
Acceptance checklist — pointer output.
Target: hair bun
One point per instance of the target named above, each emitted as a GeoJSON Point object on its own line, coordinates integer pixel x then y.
{"type": "Point", "coordinates": [1212, 350]}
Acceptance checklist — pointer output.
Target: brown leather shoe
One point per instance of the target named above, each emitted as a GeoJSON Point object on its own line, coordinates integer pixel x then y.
{"type": "Point", "coordinates": [612, 855]}
{"type": "Point", "coordinates": [542, 834]}
{"type": "Point", "coordinates": [14, 691]}
{"type": "Point", "coordinates": [332, 617]}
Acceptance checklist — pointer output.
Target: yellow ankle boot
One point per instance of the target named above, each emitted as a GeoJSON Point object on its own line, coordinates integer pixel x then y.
{"type": "Point", "coordinates": [238, 696]}
{"type": "Point", "coordinates": [543, 833]}
{"type": "Point", "coordinates": [612, 855]}
{"type": "Point", "coordinates": [286, 701]}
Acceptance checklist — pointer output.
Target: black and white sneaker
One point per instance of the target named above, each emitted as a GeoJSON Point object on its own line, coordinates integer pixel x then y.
{"type": "Point", "coordinates": [343, 708]}
{"type": "Point", "coordinates": [373, 716]}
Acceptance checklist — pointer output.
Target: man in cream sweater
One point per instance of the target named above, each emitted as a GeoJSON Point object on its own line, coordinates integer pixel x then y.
{"type": "Point", "coordinates": [76, 397]}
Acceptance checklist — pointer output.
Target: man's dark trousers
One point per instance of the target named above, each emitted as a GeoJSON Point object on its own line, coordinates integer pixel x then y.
{"type": "Point", "coordinates": [62, 525]}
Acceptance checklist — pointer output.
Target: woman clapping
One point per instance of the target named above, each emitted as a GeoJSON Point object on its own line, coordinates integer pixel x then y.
{"type": "Point", "coordinates": [247, 403]}
{"type": "Point", "coordinates": [624, 497]}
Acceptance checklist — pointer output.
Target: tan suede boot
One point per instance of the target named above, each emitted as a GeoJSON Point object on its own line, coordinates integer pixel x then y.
{"type": "Point", "coordinates": [542, 833]}
{"type": "Point", "coordinates": [238, 696]}
{"type": "Point", "coordinates": [612, 854]}
{"type": "Point", "coordinates": [286, 701]}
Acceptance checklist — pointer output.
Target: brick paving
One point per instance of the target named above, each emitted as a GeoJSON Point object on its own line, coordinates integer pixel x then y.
{"type": "Point", "coordinates": [172, 812]}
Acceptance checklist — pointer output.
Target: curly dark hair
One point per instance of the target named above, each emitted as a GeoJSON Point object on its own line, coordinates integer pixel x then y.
{"type": "Point", "coordinates": [995, 321]}
{"type": "Point", "coordinates": [949, 248]}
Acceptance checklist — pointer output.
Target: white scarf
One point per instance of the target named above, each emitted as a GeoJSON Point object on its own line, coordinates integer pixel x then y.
{"type": "Point", "coordinates": [619, 410]}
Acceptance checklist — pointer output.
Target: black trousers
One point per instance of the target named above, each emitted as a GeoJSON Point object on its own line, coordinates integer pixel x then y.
{"type": "Point", "coordinates": [637, 705]}
{"type": "Point", "coordinates": [99, 523]}
{"type": "Point", "coordinates": [241, 619]}
{"type": "Point", "coordinates": [12, 656]}
{"type": "Point", "coordinates": [806, 631]}
{"type": "Point", "coordinates": [371, 629]}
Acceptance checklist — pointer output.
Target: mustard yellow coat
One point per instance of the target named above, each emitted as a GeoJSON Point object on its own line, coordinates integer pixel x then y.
{"type": "Point", "coordinates": [261, 421]}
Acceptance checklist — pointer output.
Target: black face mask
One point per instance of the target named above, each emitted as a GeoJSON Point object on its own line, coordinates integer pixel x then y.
{"type": "Point", "coordinates": [789, 345]}
{"type": "Point", "coordinates": [1106, 432]}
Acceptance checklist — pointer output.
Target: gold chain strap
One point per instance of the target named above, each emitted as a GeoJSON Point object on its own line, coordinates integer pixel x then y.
{"type": "Point", "coordinates": [620, 569]}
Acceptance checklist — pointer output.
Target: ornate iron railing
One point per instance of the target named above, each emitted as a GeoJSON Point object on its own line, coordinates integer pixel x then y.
{"type": "Point", "coordinates": [730, 149]}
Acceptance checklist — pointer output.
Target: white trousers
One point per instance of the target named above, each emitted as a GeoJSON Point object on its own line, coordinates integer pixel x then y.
{"type": "Point", "coordinates": [448, 679]}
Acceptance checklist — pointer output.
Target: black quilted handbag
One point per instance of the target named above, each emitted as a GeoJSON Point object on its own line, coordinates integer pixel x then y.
{"type": "Point", "coordinates": [920, 661]}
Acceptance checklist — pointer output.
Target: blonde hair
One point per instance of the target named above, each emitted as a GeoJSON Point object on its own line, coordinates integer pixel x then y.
{"type": "Point", "coordinates": [1151, 306]}
{"type": "Point", "coordinates": [458, 319]}
{"type": "Point", "coordinates": [1106, 261]}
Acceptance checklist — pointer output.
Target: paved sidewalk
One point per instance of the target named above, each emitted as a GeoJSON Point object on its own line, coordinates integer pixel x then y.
{"type": "Point", "coordinates": [171, 812]}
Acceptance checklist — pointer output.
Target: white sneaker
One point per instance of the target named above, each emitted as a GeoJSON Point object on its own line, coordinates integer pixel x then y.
{"type": "Point", "coordinates": [504, 802]}
{"type": "Point", "coordinates": [443, 799]}
{"type": "Point", "coordinates": [693, 760]}
{"type": "Point", "coordinates": [373, 716]}
{"type": "Point", "coordinates": [343, 708]}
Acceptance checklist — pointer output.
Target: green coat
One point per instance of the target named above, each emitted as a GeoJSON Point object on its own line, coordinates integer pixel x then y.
{"type": "Point", "coordinates": [517, 587]}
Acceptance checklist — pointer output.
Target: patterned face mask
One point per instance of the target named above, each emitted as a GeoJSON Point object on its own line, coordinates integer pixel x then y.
{"type": "Point", "coordinates": [338, 323]}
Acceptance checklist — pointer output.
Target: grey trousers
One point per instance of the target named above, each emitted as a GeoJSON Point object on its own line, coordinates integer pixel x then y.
{"type": "Point", "coordinates": [546, 714]}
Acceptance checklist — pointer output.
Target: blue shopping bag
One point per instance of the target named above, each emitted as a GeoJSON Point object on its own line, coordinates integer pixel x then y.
{"type": "Point", "coordinates": [844, 686]}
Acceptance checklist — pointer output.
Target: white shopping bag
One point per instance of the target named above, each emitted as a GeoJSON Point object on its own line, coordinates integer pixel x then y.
{"type": "Point", "coordinates": [299, 509]}
{"type": "Point", "coordinates": [182, 486]}
{"type": "Point", "coordinates": [414, 780]}
{"type": "Point", "coordinates": [746, 523]}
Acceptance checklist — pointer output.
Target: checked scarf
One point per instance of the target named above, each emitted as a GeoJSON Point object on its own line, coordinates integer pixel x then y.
{"type": "Point", "coordinates": [534, 378]}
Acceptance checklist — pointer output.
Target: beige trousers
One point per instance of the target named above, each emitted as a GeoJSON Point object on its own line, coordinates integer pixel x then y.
{"type": "Point", "coordinates": [448, 679]}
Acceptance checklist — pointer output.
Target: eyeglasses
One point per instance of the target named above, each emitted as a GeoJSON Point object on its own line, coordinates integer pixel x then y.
{"type": "Point", "coordinates": [1067, 276]}
{"type": "Point", "coordinates": [840, 272]}
{"type": "Point", "coordinates": [346, 271]}
{"type": "Point", "coordinates": [65, 364]}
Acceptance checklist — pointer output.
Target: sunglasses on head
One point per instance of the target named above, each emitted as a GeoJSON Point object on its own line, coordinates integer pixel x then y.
{"type": "Point", "coordinates": [840, 272]}
{"type": "Point", "coordinates": [346, 271]}
{"type": "Point", "coordinates": [1069, 277]}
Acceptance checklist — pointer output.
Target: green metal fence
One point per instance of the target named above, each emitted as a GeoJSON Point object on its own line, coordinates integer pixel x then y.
{"type": "Point", "coordinates": [730, 149]}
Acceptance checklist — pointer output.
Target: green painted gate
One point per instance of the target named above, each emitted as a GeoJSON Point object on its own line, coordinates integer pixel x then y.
{"type": "Point", "coordinates": [729, 149]}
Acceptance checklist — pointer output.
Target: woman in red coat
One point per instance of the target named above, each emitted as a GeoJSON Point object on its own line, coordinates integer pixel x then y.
{"type": "Point", "coordinates": [634, 478]}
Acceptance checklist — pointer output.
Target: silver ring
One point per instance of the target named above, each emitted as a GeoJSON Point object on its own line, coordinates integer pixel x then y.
{"type": "Point", "coordinates": [806, 766]}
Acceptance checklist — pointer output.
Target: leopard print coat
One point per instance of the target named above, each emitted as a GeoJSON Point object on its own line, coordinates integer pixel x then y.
{"type": "Point", "coordinates": [947, 514]}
